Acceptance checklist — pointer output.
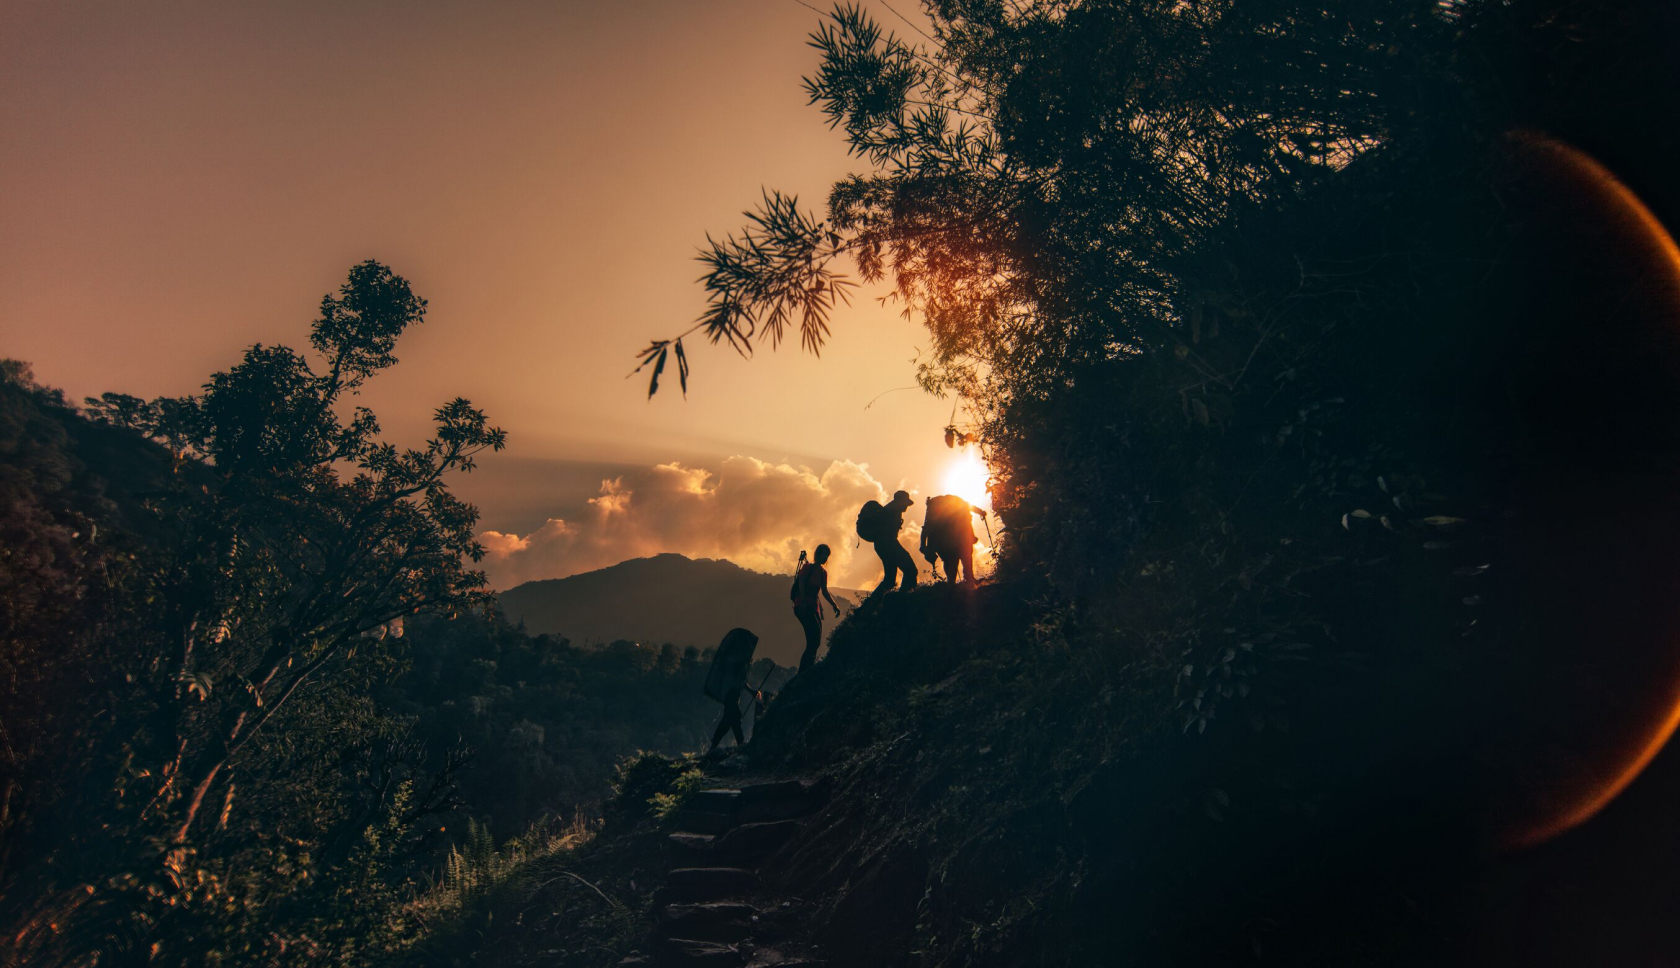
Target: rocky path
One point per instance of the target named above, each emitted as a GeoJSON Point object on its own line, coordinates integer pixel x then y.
{"type": "Point", "coordinates": [712, 909]}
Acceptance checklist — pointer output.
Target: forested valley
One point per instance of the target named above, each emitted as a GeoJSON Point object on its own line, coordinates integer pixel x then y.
{"type": "Point", "coordinates": [231, 732]}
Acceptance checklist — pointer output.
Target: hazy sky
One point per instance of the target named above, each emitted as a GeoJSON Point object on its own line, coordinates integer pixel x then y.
{"type": "Point", "coordinates": [180, 180]}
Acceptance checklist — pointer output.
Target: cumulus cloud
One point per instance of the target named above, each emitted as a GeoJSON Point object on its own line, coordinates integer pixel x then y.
{"type": "Point", "coordinates": [756, 514]}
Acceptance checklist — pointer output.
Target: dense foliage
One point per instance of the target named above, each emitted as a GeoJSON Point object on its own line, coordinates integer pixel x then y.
{"type": "Point", "coordinates": [200, 592]}
{"type": "Point", "coordinates": [1104, 215]}
{"type": "Point", "coordinates": [1294, 354]}
{"type": "Point", "coordinates": [1226, 289]}
{"type": "Point", "coordinates": [548, 721]}
{"type": "Point", "coordinates": [207, 741]}
{"type": "Point", "coordinates": [254, 704]}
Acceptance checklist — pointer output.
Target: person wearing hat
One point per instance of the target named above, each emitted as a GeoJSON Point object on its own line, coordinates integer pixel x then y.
{"type": "Point", "coordinates": [879, 525]}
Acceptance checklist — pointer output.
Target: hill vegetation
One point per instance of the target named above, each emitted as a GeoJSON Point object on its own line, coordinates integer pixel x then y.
{"type": "Point", "coordinates": [665, 598]}
{"type": "Point", "coordinates": [543, 723]}
{"type": "Point", "coordinates": [251, 698]}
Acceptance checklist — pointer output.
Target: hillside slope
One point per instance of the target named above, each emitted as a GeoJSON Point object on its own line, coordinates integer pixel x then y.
{"type": "Point", "coordinates": [999, 792]}
{"type": "Point", "coordinates": [666, 598]}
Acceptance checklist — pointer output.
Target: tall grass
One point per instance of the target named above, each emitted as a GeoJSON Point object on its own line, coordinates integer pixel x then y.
{"type": "Point", "coordinates": [477, 870]}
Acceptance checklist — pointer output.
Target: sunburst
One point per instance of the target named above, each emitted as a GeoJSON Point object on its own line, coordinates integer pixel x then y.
{"type": "Point", "coordinates": [967, 477]}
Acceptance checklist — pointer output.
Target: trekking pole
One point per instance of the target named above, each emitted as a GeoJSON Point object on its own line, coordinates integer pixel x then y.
{"type": "Point", "coordinates": [758, 696]}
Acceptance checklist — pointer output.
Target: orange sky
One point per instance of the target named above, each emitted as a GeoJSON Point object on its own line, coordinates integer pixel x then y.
{"type": "Point", "coordinates": [180, 180]}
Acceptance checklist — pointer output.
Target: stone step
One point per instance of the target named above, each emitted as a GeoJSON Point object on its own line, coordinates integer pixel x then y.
{"type": "Point", "coordinates": [782, 799]}
{"type": "Point", "coordinates": [708, 850]}
{"type": "Point", "coordinates": [773, 790]}
{"type": "Point", "coordinates": [783, 957]}
{"type": "Point", "coordinates": [703, 821]}
{"type": "Point", "coordinates": [695, 883]}
{"type": "Point", "coordinates": [699, 850]}
{"type": "Point", "coordinates": [701, 843]}
{"type": "Point", "coordinates": [732, 884]}
{"type": "Point", "coordinates": [720, 921]}
{"type": "Point", "coordinates": [716, 800]}
{"type": "Point", "coordinates": [755, 839]}
{"type": "Point", "coordinates": [767, 810]}
{"type": "Point", "coordinates": [703, 954]}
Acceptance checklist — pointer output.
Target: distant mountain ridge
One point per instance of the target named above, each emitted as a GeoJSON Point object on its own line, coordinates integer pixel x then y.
{"type": "Point", "coordinates": [665, 598]}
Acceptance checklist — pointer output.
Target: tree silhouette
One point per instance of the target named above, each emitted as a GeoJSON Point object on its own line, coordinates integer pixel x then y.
{"type": "Point", "coordinates": [289, 544]}
{"type": "Point", "coordinates": [1041, 173]}
{"type": "Point", "coordinates": [1062, 193]}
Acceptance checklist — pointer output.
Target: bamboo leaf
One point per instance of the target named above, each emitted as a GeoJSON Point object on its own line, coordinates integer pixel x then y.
{"type": "Point", "coordinates": [658, 368]}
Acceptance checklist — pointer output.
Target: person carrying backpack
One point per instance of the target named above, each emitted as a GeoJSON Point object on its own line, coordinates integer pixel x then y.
{"type": "Point", "coordinates": [948, 535]}
{"type": "Point", "coordinates": [725, 680]}
{"type": "Point", "coordinates": [879, 525]}
{"type": "Point", "coordinates": [810, 585]}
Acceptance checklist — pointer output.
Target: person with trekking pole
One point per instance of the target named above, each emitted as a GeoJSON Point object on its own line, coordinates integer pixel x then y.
{"type": "Point", "coordinates": [948, 536]}
{"type": "Point", "coordinates": [726, 679]}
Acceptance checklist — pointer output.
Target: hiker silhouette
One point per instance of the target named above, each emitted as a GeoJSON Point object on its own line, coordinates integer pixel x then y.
{"type": "Point", "coordinates": [726, 679]}
{"type": "Point", "coordinates": [810, 585]}
{"type": "Point", "coordinates": [879, 525]}
{"type": "Point", "coordinates": [948, 535]}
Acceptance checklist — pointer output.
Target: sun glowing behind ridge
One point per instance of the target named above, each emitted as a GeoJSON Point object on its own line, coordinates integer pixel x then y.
{"type": "Point", "coordinates": [966, 476]}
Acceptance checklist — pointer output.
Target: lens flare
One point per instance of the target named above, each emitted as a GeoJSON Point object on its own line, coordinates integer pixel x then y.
{"type": "Point", "coordinates": [1653, 264]}
{"type": "Point", "coordinates": [967, 477]}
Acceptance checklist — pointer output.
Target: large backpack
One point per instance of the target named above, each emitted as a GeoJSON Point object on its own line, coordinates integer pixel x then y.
{"type": "Point", "coordinates": [869, 520]}
{"type": "Point", "coordinates": [728, 674]}
{"type": "Point", "coordinates": [799, 582]}
{"type": "Point", "coordinates": [949, 523]}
